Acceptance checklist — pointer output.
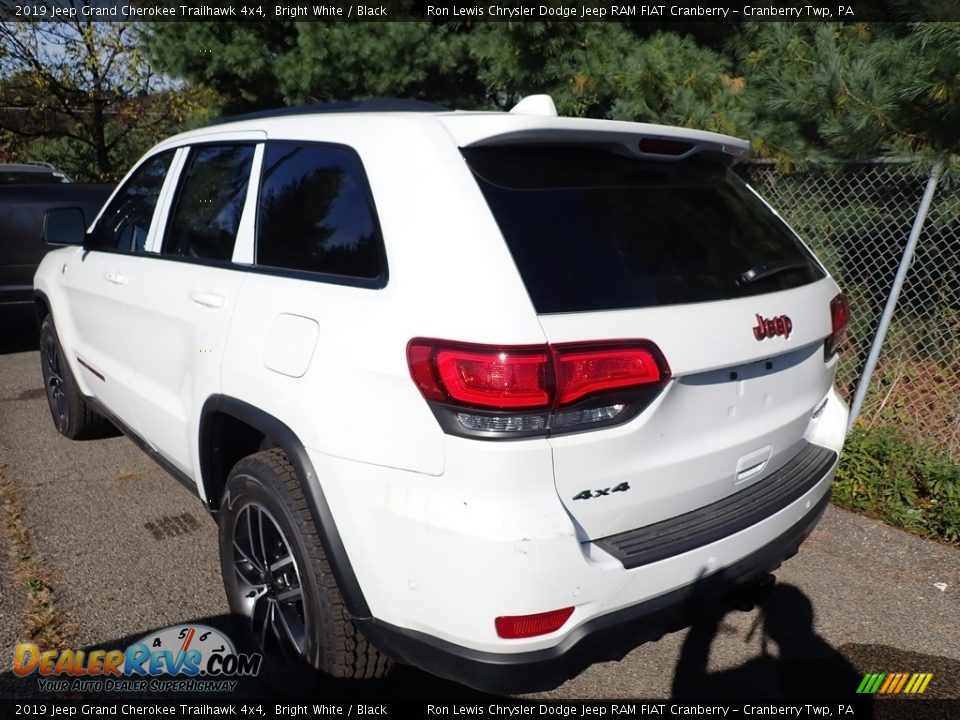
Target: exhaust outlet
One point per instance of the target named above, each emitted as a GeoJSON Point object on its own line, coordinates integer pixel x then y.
{"type": "Point", "coordinates": [754, 593]}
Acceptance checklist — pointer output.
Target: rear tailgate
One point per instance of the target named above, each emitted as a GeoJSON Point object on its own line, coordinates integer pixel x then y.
{"type": "Point", "coordinates": [734, 411]}
{"type": "Point", "coordinates": [680, 253]}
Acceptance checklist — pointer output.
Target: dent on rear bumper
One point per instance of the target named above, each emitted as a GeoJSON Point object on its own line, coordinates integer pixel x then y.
{"type": "Point", "coordinates": [606, 637]}
{"type": "Point", "coordinates": [441, 557]}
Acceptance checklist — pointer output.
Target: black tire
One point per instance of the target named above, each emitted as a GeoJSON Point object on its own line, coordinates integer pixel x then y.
{"type": "Point", "coordinates": [263, 514]}
{"type": "Point", "coordinates": [72, 415]}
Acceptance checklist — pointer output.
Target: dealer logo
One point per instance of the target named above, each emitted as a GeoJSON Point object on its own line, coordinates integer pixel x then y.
{"type": "Point", "coordinates": [200, 654]}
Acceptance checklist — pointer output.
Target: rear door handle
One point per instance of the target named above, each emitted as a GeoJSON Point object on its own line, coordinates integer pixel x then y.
{"type": "Point", "coordinates": [115, 278]}
{"type": "Point", "coordinates": [207, 299]}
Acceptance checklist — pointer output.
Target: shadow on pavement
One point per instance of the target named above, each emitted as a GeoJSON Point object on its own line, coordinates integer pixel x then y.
{"type": "Point", "coordinates": [804, 665]}
{"type": "Point", "coordinates": [796, 663]}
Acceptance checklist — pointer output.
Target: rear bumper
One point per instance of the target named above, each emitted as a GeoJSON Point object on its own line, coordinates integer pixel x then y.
{"type": "Point", "coordinates": [606, 637]}
{"type": "Point", "coordinates": [438, 558]}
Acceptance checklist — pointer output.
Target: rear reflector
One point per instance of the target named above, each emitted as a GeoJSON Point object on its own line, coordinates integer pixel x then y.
{"type": "Point", "coordinates": [512, 627]}
{"type": "Point", "coordinates": [839, 319]}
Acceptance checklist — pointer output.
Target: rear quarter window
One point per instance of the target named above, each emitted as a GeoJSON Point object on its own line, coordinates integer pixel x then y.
{"type": "Point", "coordinates": [315, 213]}
{"type": "Point", "coordinates": [590, 229]}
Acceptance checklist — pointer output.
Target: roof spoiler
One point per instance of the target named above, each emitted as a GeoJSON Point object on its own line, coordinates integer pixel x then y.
{"type": "Point", "coordinates": [534, 120]}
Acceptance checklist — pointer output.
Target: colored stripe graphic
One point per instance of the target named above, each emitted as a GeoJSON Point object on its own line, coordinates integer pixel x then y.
{"type": "Point", "coordinates": [918, 683]}
{"type": "Point", "coordinates": [894, 683]}
{"type": "Point", "coordinates": [877, 679]}
{"type": "Point", "coordinates": [890, 683]}
{"type": "Point", "coordinates": [871, 683]}
{"type": "Point", "coordinates": [899, 686]}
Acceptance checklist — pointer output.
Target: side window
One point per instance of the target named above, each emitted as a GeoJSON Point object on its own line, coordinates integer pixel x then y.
{"type": "Point", "coordinates": [126, 220]}
{"type": "Point", "coordinates": [315, 212]}
{"type": "Point", "coordinates": [206, 214]}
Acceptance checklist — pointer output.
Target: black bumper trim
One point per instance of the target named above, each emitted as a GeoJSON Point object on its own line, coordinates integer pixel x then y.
{"type": "Point", "coordinates": [608, 637]}
{"type": "Point", "coordinates": [725, 517]}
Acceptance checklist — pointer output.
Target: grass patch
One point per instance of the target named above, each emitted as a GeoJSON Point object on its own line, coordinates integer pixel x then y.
{"type": "Point", "coordinates": [42, 623]}
{"type": "Point", "coordinates": [887, 474]}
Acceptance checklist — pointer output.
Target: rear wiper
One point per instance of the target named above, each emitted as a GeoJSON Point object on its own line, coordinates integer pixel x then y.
{"type": "Point", "coordinates": [763, 271]}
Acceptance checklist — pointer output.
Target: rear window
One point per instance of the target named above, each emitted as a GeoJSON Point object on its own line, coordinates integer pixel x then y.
{"type": "Point", "coordinates": [590, 229]}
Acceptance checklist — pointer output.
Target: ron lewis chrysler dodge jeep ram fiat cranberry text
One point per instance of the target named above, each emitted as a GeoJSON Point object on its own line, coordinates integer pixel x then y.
{"type": "Point", "coordinates": [494, 394]}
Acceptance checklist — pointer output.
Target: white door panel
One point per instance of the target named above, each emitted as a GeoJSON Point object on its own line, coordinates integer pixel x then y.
{"type": "Point", "coordinates": [97, 288]}
{"type": "Point", "coordinates": [180, 313]}
{"type": "Point", "coordinates": [180, 316]}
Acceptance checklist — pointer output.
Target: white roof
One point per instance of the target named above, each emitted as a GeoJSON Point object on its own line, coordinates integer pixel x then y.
{"type": "Point", "coordinates": [472, 129]}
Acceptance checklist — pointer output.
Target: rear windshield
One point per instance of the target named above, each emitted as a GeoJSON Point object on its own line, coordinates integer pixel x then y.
{"type": "Point", "coordinates": [590, 229]}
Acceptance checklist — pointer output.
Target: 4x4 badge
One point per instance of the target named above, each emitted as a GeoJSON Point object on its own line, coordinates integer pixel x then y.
{"type": "Point", "coordinates": [590, 494]}
{"type": "Point", "coordinates": [780, 325]}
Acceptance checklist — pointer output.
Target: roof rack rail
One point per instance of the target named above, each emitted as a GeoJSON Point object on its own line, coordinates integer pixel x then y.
{"type": "Point", "coordinates": [372, 105]}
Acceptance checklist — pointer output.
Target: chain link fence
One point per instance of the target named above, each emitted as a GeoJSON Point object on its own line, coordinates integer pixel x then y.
{"type": "Point", "coordinates": [857, 217]}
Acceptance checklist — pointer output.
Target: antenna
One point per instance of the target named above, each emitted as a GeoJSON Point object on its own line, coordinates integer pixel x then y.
{"type": "Point", "coordinates": [536, 105]}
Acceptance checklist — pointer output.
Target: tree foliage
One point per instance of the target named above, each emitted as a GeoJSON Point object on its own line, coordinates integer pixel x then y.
{"type": "Point", "coordinates": [596, 69]}
{"type": "Point", "coordinates": [85, 94]}
{"type": "Point", "coordinates": [796, 89]}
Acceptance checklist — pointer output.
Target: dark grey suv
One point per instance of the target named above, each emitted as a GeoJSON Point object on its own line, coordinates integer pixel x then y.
{"type": "Point", "coordinates": [27, 191]}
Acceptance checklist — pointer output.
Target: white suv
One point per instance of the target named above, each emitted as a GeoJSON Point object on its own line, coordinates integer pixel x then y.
{"type": "Point", "coordinates": [494, 394]}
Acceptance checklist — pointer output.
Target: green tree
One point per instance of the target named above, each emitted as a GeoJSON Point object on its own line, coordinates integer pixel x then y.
{"type": "Point", "coordinates": [591, 69]}
{"type": "Point", "coordinates": [83, 94]}
{"type": "Point", "coordinates": [852, 90]}
{"type": "Point", "coordinates": [236, 59]}
{"type": "Point", "coordinates": [797, 90]}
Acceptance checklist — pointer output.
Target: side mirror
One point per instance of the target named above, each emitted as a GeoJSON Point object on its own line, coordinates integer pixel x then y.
{"type": "Point", "coordinates": [64, 226]}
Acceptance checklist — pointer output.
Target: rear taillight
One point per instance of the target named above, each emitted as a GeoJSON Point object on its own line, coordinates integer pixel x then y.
{"type": "Point", "coordinates": [500, 391]}
{"type": "Point", "coordinates": [589, 371]}
{"type": "Point", "coordinates": [504, 379]}
{"type": "Point", "coordinates": [839, 319]}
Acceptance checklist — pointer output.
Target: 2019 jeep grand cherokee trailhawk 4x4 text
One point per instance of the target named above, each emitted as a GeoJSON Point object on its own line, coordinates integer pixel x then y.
{"type": "Point", "coordinates": [494, 394]}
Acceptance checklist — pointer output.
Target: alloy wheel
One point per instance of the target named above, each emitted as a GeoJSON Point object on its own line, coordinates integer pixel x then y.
{"type": "Point", "coordinates": [56, 393]}
{"type": "Point", "coordinates": [269, 583]}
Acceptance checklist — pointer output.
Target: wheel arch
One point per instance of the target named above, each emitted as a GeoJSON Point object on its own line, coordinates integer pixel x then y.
{"type": "Point", "coordinates": [223, 408]}
{"type": "Point", "coordinates": [41, 305]}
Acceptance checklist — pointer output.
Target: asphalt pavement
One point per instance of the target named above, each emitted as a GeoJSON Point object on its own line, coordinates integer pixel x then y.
{"type": "Point", "coordinates": [128, 550]}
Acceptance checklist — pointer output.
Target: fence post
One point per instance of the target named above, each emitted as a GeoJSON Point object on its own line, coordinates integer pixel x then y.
{"type": "Point", "coordinates": [905, 260]}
